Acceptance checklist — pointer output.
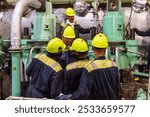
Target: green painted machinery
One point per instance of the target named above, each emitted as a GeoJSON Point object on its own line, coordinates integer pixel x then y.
{"type": "Point", "coordinates": [113, 22]}
{"type": "Point", "coordinates": [43, 29]}
{"type": "Point", "coordinates": [44, 24]}
{"type": "Point", "coordinates": [131, 63]}
{"type": "Point", "coordinates": [123, 51]}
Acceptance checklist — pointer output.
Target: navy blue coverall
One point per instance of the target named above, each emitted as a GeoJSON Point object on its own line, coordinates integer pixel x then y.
{"type": "Point", "coordinates": [78, 29]}
{"type": "Point", "coordinates": [105, 76]}
{"type": "Point", "coordinates": [66, 58]}
{"type": "Point", "coordinates": [46, 77]}
{"type": "Point", "coordinates": [144, 34]}
{"type": "Point", "coordinates": [72, 80]}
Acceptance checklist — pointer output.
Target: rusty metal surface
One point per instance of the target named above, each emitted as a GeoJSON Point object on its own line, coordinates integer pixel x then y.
{"type": "Point", "coordinates": [5, 85]}
{"type": "Point", "coordinates": [128, 91]}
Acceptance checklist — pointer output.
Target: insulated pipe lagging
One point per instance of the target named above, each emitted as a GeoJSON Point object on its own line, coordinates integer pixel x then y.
{"type": "Point", "coordinates": [53, 1]}
{"type": "Point", "coordinates": [16, 20]}
{"type": "Point", "coordinates": [70, 1]}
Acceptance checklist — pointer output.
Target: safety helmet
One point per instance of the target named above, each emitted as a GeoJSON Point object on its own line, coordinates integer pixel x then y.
{"type": "Point", "coordinates": [79, 45]}
{"type": "Point", "coordinates": [69, 32]}
{"type": "Point", "coordinates": [100, 41]}
{"type": "Point", "coordinates": [70, 12]}
{"type": "Point", "coordinates": [55, 45]}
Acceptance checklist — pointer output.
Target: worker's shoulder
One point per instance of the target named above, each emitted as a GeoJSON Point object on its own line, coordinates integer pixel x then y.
{"type": "Point", "coordinates": [63, 24]}
{"type": "Point", "coordinates": [106, 63]}
{"type": "Point", "coordinates": [38, 55]}
{"type": "Point", "coordinates": [49, 62]}
{"type": "Point", "coordinates": [88, 66]}
{"type": "Point", "coordinates": [99, 64]}
{"type": "Point", "coordinates": [77, 64]}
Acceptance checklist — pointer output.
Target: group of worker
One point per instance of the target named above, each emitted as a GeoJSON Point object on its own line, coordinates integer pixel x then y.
{"type": "Point", "coordinates": [65, 72]}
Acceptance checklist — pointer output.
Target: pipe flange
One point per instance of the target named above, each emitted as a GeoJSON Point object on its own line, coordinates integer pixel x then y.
{"type": "Point", "coordinates": [15, 49]}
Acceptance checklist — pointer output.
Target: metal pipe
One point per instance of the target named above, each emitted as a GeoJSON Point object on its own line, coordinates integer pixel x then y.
{"type": "Point", "coordinates": [15, 42]}
{"type": "Point", "coordinates": [16, 75]}
{"type": "Point", "coordinates": [149, 86]}
{"type": "Point", "coordinates": [70, 1]}
{"type": "Point", "coordinates": [2, 52]}
{"type": "Point", "coordinates": [16, 20]}
{"type": "Point", "coordinates": [117, 55]}
{"type": "Point", "coordinates": [21, 70]}
{"type": "Point", "coordinates": [25, 67]}
{"type": "Point", "coordinates": [67, 1]}
{"type": "Point", "coordinates": [106, 53]}
{"type": "Point", "coordinates": [139, 53]}
{"type": "Point", "coordinates": [31, 51]}
{"type": "Point", "coordinates": [54, 1]}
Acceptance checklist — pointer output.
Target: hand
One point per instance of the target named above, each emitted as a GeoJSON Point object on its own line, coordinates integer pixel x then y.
{"type": "Point", "coordinates": [63, 97]}
{"type": "Point", "coordinates": [93, 28]}
{"type": "Point", "coordinates": [135, 29]}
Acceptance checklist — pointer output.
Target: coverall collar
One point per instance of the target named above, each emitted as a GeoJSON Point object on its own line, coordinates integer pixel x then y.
{"type": "Point", "coordinates": [48, 54]}
{"type": "Point", "coordinates": [100, 58]}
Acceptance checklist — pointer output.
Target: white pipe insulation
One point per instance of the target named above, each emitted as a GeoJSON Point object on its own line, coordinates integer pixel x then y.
{"type": "Point", "coordinates": [16, 20]}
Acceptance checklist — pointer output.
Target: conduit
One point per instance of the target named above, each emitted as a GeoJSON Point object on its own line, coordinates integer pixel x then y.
{"type": "Point", "coordinates": [15, 42]}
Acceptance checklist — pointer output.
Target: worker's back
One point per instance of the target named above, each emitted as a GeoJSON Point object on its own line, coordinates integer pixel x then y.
{"type": "Point", "coordinates": [43, 71]}
{"type": "Point", "coordinates": [105, 76]}
{"type": "Point", "coordinates": [72, 76]}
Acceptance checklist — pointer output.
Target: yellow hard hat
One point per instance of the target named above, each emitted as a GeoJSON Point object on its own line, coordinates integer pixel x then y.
{"type": "Point", "coordinates": [55, 45]}
{"type": "Point", "coordinates": [79, 45]}
{"type": "Point", "coordinates": [100, 41]}
{"type": "Point", "coordinates": [70, 12]}
{"type": "Point", "coordinates": [69, 32]}
{"type": "Point", "coordinates": [136, 78]}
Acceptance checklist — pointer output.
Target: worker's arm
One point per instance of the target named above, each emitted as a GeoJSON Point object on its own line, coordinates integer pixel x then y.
{"type": "Point", "coordinates": [142, 33]}
{"type": "Point", "coordinates": [66, 82]}
{"type": "Point", "coordinates": [56, 83]}
{"type": "Point", "coordinates": [81, 29]}
{"type": "Point", "coordinates": [84, 88]}
{"type": "Point", "coordinates": [117, 86]}
{"type": "Point", "coordinates": [30, 67]}
{"type": "Point", "coordinates": [59, 33]}
{"type": "Point", "coordinates": [83, 91]}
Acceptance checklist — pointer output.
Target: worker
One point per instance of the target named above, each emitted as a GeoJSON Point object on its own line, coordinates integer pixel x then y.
{"type": "Point", "coordinates": [144, 34]}
{"type": "Point", "coordinates": [102, 71]}
{"type": "Point", "coordinates": [71, 21]}
{"type": "Point", "coordinates": [68, 36]}
{"type": "Point", "coordinates": [45, 72]}
{"type": "Point", "coordinates": [73, 71]}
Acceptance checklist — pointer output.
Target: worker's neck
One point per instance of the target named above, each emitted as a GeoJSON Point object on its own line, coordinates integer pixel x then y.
{"type": "Point", "coordinates": [70, 23]}
{"type": "Point", "coordinates": [99, 54]}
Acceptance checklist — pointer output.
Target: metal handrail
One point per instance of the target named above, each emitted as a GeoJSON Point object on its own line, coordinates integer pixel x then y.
{"type": "Point", "coordinates": [117, 55]}
{"type": "Point", "coordinates": [31, 51]}
{"type": "Point", "coordinates": [2, 52]}
{"type": "Point", "coordinates": [139, 53]}
{"type": "Point", "coordinates": [25, 67]}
